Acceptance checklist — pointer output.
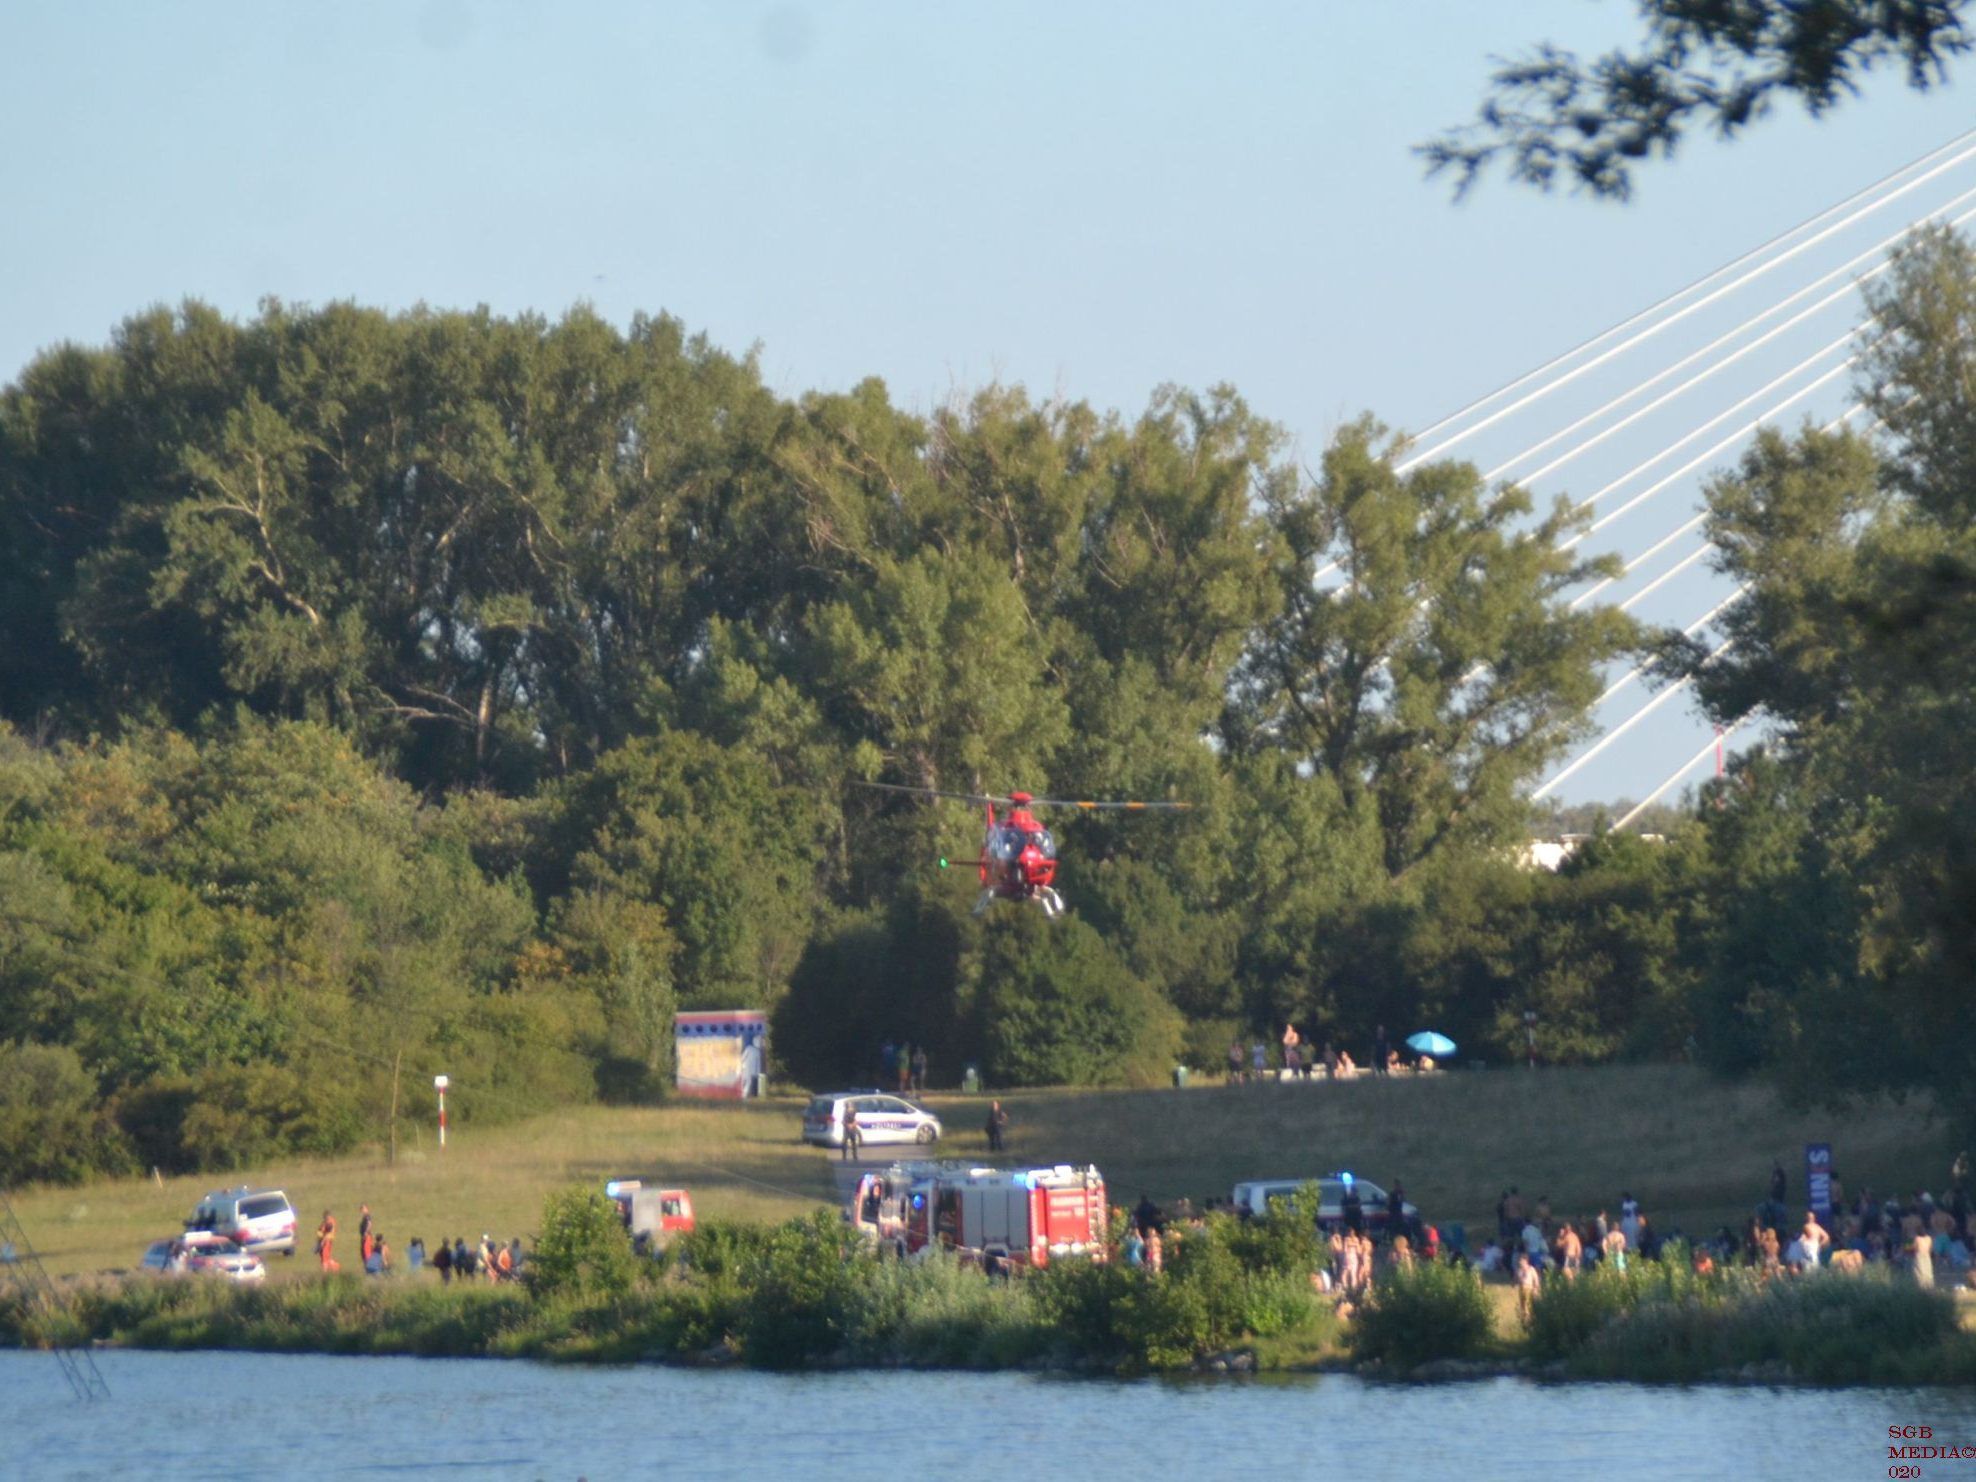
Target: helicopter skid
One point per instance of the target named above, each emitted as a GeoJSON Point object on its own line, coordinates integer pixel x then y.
{"type": "Point", "coordinates": [1043, 895]}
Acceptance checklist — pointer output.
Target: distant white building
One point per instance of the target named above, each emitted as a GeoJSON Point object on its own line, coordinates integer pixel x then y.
{"type": "Point", "coordinates": [1549, 854]}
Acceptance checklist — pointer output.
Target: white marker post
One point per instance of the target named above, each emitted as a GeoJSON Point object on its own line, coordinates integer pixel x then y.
{"type": "Point", "coordinates": [439, 1082]}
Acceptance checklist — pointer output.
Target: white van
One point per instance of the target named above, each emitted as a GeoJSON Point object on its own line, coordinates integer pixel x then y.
{"type": "Point", "coordinates": [256, 1220]}
{"type": "Point", "coordinates": [1251, 1199]}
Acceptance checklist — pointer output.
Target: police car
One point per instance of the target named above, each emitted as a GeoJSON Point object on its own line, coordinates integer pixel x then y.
{"type": "Point", "coordinates": [881, 1119]}
{"type": "Point", "coordinates": [1252, 1199]}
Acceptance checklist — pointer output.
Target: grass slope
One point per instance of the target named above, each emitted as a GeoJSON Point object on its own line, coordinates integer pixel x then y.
{"type": "Point", "coordinates": [741, 1162]}
{"type": "Point", "coordinates": [1695, 1151]}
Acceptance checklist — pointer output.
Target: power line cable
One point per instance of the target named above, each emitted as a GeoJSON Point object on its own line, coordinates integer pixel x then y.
{"type": "Point", "coordinates": [1765, 389]}
{"type": "Point", "coordinates": [1667, 576]}
{"type": "Point", "coordinates": [1699, 459]}
{"type": "Point", "coordinates": [1668, 321]}
{"type": "Point", "coordinates": [1688, 632]}
{"type": "Point", "coordinates": [1631, 721]}
{"type": "Point", "coordinates": [1717, 343]}
{"type": "Point", "coordinates": [1679, 772]}
{"type": "Point", "coordinates": [1666, 540]}
{"type": "Point", "coordinates": [1705, 279]}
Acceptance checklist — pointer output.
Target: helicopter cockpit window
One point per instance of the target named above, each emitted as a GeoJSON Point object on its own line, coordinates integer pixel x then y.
{"type": "Point", "coordinates": [1046, 843]}
{"type": "Point", "coordinates": [1006, 844]}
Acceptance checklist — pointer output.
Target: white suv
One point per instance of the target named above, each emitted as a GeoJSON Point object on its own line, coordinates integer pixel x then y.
{"type": "Point", "coordinates": [881, 1118]}
{"type": "Point", "coordinates": [256, 1220]}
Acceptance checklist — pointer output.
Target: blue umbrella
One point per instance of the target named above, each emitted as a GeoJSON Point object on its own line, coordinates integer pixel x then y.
{"type": "Point", "coordinates": [1427, 1042]}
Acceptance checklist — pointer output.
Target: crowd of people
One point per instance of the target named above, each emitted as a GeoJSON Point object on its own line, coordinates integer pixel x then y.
{"type": "Point", "coordinates": [1299, 1059]}
{"type": "Point", "coordinates": [1926, 1235]}
{"type": "Point", "coordinates": [490, 1260]}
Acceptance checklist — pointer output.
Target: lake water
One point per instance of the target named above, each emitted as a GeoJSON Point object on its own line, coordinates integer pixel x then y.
{"type": "Point", "coordinates": [253, 1416]}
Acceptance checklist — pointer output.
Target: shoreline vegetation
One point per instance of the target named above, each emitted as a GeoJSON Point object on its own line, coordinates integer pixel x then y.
{"type": "Point", "coordinates": [1233, 1297]}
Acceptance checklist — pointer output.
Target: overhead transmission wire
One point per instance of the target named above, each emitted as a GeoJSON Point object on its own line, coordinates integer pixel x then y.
{"type": "Point", "coordinates": [1702, 457]}
{"type": "Point", "coordinates": [1631, 721]}
{"type": "Point", "coordinates": [1802, 365]}
{"type": "Point", "coordinates": [1690, 631]}
{"type": "Point", "coordinates": [1679, 293]}
{"type": "Point", "coordinates": [1715, 741]}
{"type": "Point", "coordinates": [1586, 504]}
{"type": "Point", "coordinates": [1961, 154]}
{"type": "Point", "coordinates": [1666, 576]}
{"type": "Point", "coordinates": [1669, 320]}
{"type": "Point", "coordinates": [1748, 427]}
{"type": "Point", "coordinates": [1659, 700]}
{"type": "Point", "coordinates": [1719, 341]}
{"type": "Point", "coordinates": [1666, 540]}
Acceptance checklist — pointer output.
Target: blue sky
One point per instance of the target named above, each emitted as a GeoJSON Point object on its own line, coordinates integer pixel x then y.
{"type": "Point", "coordinates": [1089, 200]}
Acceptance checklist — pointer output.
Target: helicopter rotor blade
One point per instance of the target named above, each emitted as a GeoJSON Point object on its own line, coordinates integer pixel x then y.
{"type": "Point", "coordinates": [934, 792]}
{"type": "Point", "coordinates": [1091, 807]}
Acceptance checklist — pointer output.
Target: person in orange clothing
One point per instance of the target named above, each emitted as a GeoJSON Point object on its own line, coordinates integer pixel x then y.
{"type": "Point", "coordinates": [326, 1242]}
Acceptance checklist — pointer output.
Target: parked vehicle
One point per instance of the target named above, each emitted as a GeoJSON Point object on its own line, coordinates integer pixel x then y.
{"type": "Point", "coordinates": [256, 1220]}
{"type": "Point", "coordinates": [1252, 1199]}
{"type": "Point", "coordinates": [653, 1216]}
{"type": "Point", "coordinates": [1025, 1216]}
{"type": "Point", "coordinates": [881, 1119]}
{"type": "Point", "coordinates": [883, 1196]}
{"type": "Point", "coordinates": [203, 1253]}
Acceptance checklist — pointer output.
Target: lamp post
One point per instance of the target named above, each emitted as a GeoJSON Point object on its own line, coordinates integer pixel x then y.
{"type": "Point", "coordinates": [440, 1083]}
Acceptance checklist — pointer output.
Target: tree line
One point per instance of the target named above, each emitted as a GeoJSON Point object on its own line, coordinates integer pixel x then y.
{"type": "Point", "coordinates": [388, 694]}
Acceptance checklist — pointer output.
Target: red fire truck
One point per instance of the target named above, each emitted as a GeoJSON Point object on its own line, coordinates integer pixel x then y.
{"type": "Point", "coordinates": [1027, 1216]}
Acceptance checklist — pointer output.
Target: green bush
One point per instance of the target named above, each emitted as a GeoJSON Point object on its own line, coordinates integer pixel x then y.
{"type": "Point", "coordinates": [1276, 1304]}
{"type": "Point", "coordinates": [1284, 1241]}
{"type": "Point", "coordinates": [1060, 1008]}
{"type": "Point", "coordinates": [1204, 1043]}
{"type": "Point", "coordinates": [1083, 1304]}
{"type": "Point", "coordinates": [583, 1250]}
{"type": "Point", "coordinates": [939, 1313]}
{"type": "Point", "coordinates": [799, 1291]}
{"type": "Point", "coordinates": [1873, 1328]}
{"type": "Point", "coordinates": [235, 1116]}
{"type": "Point", "coordinates": [51, 1129]}
{"type": "Point", "coordinates": [1423, 1313]}
{"type": "Point", "coordinates": [1566, 1314]}
{"type": "Point", "coordinates": [1207, 1300]}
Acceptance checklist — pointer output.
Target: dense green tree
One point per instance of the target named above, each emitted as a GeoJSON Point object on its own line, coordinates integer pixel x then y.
{"type": "Point", "coordinates": [705, 834]}
{"type": "Point", "coordinates": [619, 953]}
{"type": "Point", "coordinates": [472, 692]}
{"type": "Point", "coordinates": [1856, 640]}
{"type": "Point", "coordinates": [877, 976]}
{"type": "Point", "coordinates": [1057, 1007]}
{"type": "Point", "coordinates": [1440, 673]}
{"type": "Point", "coordinates": [52, 1126]}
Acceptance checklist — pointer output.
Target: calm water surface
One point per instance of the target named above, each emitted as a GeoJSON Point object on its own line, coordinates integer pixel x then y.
{"type": "Point", "coordinates": [257, 1416]}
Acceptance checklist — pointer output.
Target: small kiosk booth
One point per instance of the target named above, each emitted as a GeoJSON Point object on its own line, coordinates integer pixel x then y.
{"type": "Point", "coordinates": [721, 1053]}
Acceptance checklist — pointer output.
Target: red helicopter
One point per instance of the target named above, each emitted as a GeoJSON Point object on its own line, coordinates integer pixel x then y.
{"type": "Point", "coordinates": [1018, 854]}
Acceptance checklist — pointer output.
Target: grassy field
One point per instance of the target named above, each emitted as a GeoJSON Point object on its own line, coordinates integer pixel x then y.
{"type": "Point", "coordinates": [741, 1162]}
{"type": "Point", "coordinates": [1695, 1151]}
